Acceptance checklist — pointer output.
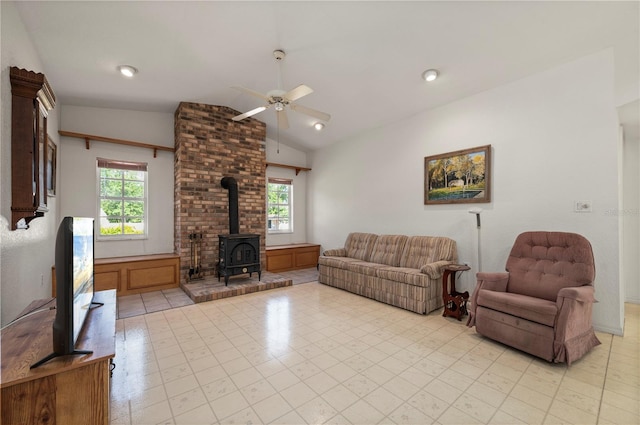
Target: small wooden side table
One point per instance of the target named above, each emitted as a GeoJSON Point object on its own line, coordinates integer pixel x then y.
{"type": "Point", "coordinates": [455, 303]}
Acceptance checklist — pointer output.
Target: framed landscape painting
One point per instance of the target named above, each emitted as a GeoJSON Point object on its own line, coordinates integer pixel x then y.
{"type": "Point", "coordinates": [462, 176]}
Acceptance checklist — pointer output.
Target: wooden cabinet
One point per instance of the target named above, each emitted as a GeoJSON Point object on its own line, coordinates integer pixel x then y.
{"type": "Point", "coordinates": [281, 258]}
{"type": "Point", "coordinates": [137, 274]}
{"type": "Point", "coordinates": [65, 390]}
{"type": "Point", "coordinates": [31, 101]}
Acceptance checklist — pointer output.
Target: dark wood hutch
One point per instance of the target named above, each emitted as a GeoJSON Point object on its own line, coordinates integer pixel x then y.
{"type": "Point", "coordinates": [31, 100]}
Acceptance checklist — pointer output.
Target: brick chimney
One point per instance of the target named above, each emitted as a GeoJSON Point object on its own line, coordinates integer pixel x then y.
{"type": "Point", "coordinates": [210, 146]}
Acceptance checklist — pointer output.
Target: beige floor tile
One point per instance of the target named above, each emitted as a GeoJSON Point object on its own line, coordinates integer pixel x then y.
{"type": "Point", "coordinates": [475, 407]}
{"type": "Point", "coordinates": [486, 394]}
{"type": "Point", "coordinates": [187, 401]}
{"type": "Point", "coordinates": [228, 405]}
{"type": "Point", "coordinates": [572, 414]}
{"type": "Point", "coordinates": [272, 408]}
{"type": "Point", "coordinates": [202, 415]}
{"type": "Point", "coordinates": [371, 363]}
{"type": "Point", "coordinates": [532, 397]}
{"type": "Point", "coordinates": [407, 414]}
{"type": "Point", "coordinates": [244, 416]}
{"type": "Point", "coordinates": [362, 412]}
{"type": "Point", "coordinates": [298, 394]}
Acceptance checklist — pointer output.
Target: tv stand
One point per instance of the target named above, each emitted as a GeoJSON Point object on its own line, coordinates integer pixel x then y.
{"type": "Point", "coordinates": [67, 389]}
{"type": "Point", "coordinates": [53, 355]}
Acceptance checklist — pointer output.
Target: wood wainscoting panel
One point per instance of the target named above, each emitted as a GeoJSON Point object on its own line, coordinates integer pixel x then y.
{"type": "Point", "coordinates": [137, 274]}
{"type": "Point", "coordinates": [282, 258]}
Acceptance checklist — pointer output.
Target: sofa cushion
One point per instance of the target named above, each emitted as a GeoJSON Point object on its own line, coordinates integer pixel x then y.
{"type": "Point", "coordinates": [542, 263]}
{"type": "Point", "coordinates": [404, 275]}
{"type": "Point", "coordinates": [364, 267]}
{"type": "Point", "coordinates": [388, 249]}
{"type": "Point", "coordinates": [359, 245]}
{"type": "Point", "coordinates": [421, 250]}
{"type": "Point", "coordinates": [336, 262]}
{"type": "Point", "coordinates": [534, 309]}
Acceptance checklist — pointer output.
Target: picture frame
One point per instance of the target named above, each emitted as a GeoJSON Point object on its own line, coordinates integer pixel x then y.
{"type": "Point", "coordinates": [459, 177]}
{"type": "Point", "coordinates": [52, 157]}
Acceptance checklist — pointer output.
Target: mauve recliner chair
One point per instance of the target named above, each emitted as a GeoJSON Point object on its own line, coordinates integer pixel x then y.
{"type": "Point", "coordinates": [543, 303]}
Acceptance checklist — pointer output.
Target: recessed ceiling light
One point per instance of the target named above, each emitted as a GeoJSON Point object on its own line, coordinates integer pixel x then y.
{"type": "Point", "coordinates": [127, 70]}
{"type": "Point", "coordinates": [318, 126]}
{"type": "Point", "coordinates": [430, 75]}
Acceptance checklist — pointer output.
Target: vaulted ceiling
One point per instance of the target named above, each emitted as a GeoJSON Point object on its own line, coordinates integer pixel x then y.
{"type": "Point", "coordinates": [364, 60]}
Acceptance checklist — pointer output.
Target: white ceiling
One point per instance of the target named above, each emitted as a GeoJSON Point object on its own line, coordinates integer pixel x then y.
{"type": "Point", "coordinates": [363, 59]}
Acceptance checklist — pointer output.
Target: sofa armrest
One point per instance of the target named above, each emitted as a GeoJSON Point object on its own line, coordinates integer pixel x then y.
{"type": "Point", "coordinates": [434, 270]}
{"type": "Point", "coordinates": [338, 252]}
{"type": "Point", "coordinates": [489, 281]}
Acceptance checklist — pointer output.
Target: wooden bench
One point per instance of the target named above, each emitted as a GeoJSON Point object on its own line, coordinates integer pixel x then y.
{"type": "Point", "coordinates": [134, 274]}
{"type": "Point", "coordinates": [282, 258]}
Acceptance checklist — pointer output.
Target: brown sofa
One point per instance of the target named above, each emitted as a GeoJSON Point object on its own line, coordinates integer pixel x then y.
{"type": "Point", "coordinates": [543, 303]}
{"type": "Point", "coordinates": [404, 271]}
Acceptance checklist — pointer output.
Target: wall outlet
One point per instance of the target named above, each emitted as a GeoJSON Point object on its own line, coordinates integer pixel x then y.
{"type": "Point", "coordinates": [41, 280]}
{"type": "Point", "coordinates": [582, 206]}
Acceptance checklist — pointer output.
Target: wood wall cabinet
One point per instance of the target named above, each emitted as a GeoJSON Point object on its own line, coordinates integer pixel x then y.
{"type": "Point", "coordinates": [31, 101]}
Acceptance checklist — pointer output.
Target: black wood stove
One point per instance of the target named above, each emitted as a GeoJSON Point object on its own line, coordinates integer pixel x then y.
{"type": "Point", "coordinates": [238, 253]}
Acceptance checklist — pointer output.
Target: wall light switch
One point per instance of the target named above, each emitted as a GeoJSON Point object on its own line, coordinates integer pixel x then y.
{"type": "Point", "coordinates": [582, 206]}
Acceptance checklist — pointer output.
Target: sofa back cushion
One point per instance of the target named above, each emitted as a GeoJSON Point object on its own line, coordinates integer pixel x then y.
{"type": "Point", "coordinates": [542, 263]}
{"type": "Point", "coordinates": [388, 249]}
{"type": "Point", "coordinates": [421, 250]}
{"type": "Point", "coordinates": [359, 245]}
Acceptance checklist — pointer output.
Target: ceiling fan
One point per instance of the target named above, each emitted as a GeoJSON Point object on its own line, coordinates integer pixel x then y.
{"type": "Point", "coordinates": [279, 100]}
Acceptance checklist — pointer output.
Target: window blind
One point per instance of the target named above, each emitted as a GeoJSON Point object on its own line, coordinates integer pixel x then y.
{"type": "Point", "coordinates": [275, 180]}
{"type": "Point", "coordinates": [122, 165]}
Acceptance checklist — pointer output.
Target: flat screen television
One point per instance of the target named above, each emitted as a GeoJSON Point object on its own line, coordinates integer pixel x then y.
{"type": "Point", "coordinates": [74, 284]}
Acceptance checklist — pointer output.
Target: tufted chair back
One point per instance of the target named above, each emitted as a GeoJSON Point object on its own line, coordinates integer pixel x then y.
{"type": "Point", "coordinates": [542, 263]}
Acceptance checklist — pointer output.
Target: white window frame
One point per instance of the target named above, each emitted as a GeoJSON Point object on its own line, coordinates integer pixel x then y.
{"type": "Point", "coordinates": [122, 165]}
{"type": "Point", "coordinates": [289, 205]}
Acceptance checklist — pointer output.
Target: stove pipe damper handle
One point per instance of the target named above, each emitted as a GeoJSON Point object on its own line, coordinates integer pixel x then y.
{"type": "Point", "coordinates": [231, 185]}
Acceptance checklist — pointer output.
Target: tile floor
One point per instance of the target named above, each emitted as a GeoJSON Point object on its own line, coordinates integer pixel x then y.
{"type": "Point", "coordinates": [313, 354]}
{"type": "Point", "coordinates": [150, 302]}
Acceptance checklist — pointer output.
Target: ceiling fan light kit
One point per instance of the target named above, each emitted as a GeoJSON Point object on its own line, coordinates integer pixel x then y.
{"type": "Point", "coordinates": [280, 99]}
{"type": "Point", "coordinates": [430, 75]}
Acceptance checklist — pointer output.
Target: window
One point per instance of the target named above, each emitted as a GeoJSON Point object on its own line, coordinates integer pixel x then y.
{"type": "Point", "coordinates": [279, 206]}
{"type": "Point", "coordinates": [122, 200]}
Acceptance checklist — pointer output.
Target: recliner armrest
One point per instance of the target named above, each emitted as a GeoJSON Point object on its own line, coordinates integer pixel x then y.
{"type": "Point", "coordinates": [578, 293]}
{"type": "Point", "coordinates": [492, 281]}
{"type": "Point", "coordinates": [337, 252]}
{"type": "Point", "coordinates": [489, 281]}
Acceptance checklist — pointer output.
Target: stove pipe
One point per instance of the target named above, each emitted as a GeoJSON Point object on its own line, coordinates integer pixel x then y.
{"type": "Point", "coordinates": [230, 184]}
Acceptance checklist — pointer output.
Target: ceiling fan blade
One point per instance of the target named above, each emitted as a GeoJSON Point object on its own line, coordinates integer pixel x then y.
{"type": "Point", "coordinates": [251, 92]}
{"type": "Point", "coordinates": [283, 121]}
{"type": "Point", "coordinates": [295, 94]}
{"type": "Point", "coordinates": [311, 112]}
{"type": "Point", "coordinates": [250, 113]}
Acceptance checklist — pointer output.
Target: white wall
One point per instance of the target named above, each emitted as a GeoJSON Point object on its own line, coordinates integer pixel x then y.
{"type": "Point", "coordinates": [26, 256]}
{"type": "Point", "coordinates": [77, 183]}
{"type": "Point", "coordinates": [554, 139]}
{"type": "Point", "coordinates": [630, 214]}
{"type": "Point", "coordinates": [284, 154]}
